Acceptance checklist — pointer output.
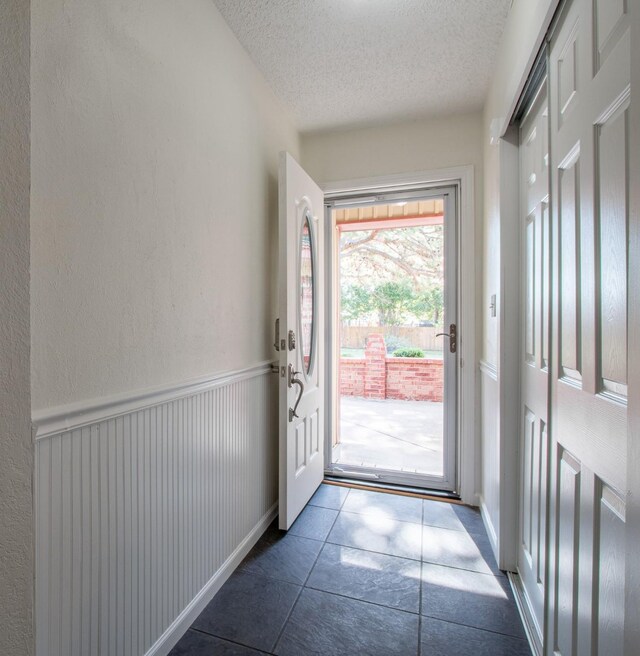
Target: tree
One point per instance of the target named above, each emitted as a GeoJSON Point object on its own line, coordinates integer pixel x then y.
{"type": "Point", "coordinates": [429, 305]}
{"type": "Point", "coordinates": [355, 302]}
{"type": "Point", "coordinates": [392, 300]}
{"type": "Point", "coordinates": [388, 254]}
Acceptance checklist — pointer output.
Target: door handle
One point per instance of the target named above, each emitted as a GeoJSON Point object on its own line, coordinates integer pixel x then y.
{"type": "Point", "coordinates": [276, 342]}
{"type": "Point", "coordinates": [453, 337]}
{"type": "Point", "coordinates": [291, 382]}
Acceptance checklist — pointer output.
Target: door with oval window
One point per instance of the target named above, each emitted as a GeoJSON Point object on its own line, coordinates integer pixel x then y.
{"type": "Point", "coordinates": [300, 339]}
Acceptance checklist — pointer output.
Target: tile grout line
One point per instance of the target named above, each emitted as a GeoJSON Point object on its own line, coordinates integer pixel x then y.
{"type": "Point", "coordinates": [477, 628]}
{"type": "Point", "coordinates": [295, 603]}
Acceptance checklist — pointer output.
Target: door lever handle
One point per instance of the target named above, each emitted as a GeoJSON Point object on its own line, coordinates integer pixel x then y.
{"type": "Point", "coordinates": [291, 382]}
{"type": "Point", "coordinates": [453, 337]}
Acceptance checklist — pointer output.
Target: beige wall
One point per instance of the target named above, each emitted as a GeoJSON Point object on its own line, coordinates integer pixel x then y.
{"type": "Point", "coordinates": [397, 148]}
{"type": "Point", "coordinates": [16, 446]}
{"type": "Point", "coordinates": [525, 29]}
{"type": "Point", "coordinates": [154, 198]}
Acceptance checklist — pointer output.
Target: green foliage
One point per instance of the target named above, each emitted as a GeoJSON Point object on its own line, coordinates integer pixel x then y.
{"type": "Point", "coordinates": [408, 353]}
{"type": "Point", "coordinates": [355, 302]}
{"type": "Point", "coordinates": [393, 342]}
{"type": "Point", "coordinates": [428, 304]}
{"type": "Point", "coordinates": [393, 301]}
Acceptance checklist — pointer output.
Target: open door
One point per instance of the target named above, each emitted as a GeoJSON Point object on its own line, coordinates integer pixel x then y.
{"type": "Point", "coordinates": [300, 339]}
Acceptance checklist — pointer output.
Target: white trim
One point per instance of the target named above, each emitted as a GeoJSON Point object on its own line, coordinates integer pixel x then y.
{"type": "Point", "coordinates": [488, 524]}
{"type": "Point", "coordinates": [165, 643]}
{"type": "Point", "coordinates": [489, 369]}
{"type": "Point", "coordinates": [524, 609]}
{"type": "Point", "coordinates": [399, 181]}
{"type": "Point", "coordinates": [463, 176]}
{"type": "Point", "coordinates": [52, 421]}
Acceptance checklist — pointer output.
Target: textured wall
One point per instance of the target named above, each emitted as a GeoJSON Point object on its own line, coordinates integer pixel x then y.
{"type": "Point", "coordinates": [16, 447]}
{"type": "Point", "coordinates": [154, 198]}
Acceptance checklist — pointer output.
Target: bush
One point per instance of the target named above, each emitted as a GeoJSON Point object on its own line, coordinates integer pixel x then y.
{"type": "Point", "coordinates": [408, 353]}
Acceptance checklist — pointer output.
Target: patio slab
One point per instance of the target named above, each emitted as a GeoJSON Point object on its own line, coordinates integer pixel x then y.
{"type": "Point", "coordinates": [390, 434]}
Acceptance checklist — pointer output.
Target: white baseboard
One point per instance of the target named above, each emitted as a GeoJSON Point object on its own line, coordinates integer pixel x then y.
{"type": "Point", "coordinates": [178, 628]}
{"type": "Point", "coordinates": [488, 524]}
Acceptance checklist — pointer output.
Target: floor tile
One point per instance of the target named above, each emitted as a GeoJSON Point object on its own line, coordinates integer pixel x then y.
{"type": "Point", "coordinates": [329, 496]}
{"type": "Point", "coordinates": [384, 506]}
{"type": "Point", "coordinates": [378, 578]}
{"type": "Point", "coordinates": [323, 623]}
{"type": "Point", "coordinates": [452, 516]}
{"type": "Point", "coordinates": [249, 609]}
{"type": "Point", "coordinates": [443, 546]}
{"type": "Point", "coordinates": [314, 523]}
{"type": "Point", "coordinates": [483, 601]}
{"type": "Point", "coordinates": [194, 643]}
{"type": "Point", "coordinates": [282, 556]}
{"type": "Point", "coordinates": [438, 638]}
{"type": "Point", "coordinates": [373, 533]}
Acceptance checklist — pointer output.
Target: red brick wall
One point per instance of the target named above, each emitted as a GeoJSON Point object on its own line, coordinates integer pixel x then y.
{"type": "Point", "coordinates": [375, 381]}
{"type": "Point", "coordinates": [378, 377]}
{"type": "Point", "coordinates": [416, 379]}
{"type": "Point", "coordinates": [352, 373]}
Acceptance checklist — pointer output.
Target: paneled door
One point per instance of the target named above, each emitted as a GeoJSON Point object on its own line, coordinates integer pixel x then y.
{"type": "Point", "coordinates": [300, 339]}
{"type": "Point", "coordinates": [534, 439]}
{"type": "Point", "coordinates": [589, 76]}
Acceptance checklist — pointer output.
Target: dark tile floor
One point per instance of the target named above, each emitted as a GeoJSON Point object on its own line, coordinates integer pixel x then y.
{"type": "Point", "coordinates": [365, 573]}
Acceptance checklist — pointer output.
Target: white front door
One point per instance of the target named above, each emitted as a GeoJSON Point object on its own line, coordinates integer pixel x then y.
{"type": "Point", "coordinates": [300, 339]}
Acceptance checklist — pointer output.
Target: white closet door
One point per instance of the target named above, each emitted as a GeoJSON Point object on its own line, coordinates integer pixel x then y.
{"type": "Point", "coordinates": [589, 105]}
{"type": "Point", "coordinates": [534, 438]}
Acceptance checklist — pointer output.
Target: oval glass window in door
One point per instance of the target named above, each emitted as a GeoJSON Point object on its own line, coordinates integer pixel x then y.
{"type": "Point", "coordinates": [307, 293]}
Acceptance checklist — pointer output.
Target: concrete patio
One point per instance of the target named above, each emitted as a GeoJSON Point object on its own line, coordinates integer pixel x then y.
{"type": "Point", "coordinates": [390, 434]}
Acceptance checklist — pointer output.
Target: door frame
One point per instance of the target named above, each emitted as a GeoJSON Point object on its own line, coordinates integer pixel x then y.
{"type": "Point", "coordinates": [462, 179]}
{"type": "Point", "coordinates": [448, 482]}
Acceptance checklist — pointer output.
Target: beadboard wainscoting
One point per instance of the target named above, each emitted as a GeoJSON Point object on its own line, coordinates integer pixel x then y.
{"type": "Point", "coordinates": [145, 505]}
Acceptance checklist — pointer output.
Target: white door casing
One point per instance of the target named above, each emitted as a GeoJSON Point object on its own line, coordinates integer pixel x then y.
{"type": "Point", "coordinates": [534, 356]}
{"type": "Point", "coordinates": [301, 379]}
{"type": "Point", "coordinates": [590, 96]}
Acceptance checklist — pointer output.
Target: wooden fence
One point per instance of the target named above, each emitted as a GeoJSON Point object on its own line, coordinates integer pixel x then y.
{"type": "Point", "coordinates": [423, 337]}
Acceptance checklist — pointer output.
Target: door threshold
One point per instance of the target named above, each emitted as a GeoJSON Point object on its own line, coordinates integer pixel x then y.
{"type": "Point", "coordinates": [390, 488]}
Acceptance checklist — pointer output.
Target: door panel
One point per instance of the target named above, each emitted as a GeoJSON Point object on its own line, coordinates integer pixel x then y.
{"type": "Point", "coordinates": [300, 339]}
{"type": "Point", "coordinates": [534, 161]}
{"type": "Point", "coordinates": [589, 70]}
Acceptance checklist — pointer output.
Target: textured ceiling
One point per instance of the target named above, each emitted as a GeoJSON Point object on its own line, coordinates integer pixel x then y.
{"type": "Point", "coordinates": [341, 63]}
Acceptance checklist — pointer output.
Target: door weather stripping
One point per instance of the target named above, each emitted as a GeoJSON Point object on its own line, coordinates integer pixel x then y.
{"type": "Point", "coordinates": [348, 472]}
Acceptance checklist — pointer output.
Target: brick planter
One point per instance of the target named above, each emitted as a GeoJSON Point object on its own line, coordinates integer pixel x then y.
{"type": "Point", "coordinates": [377, 376]}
